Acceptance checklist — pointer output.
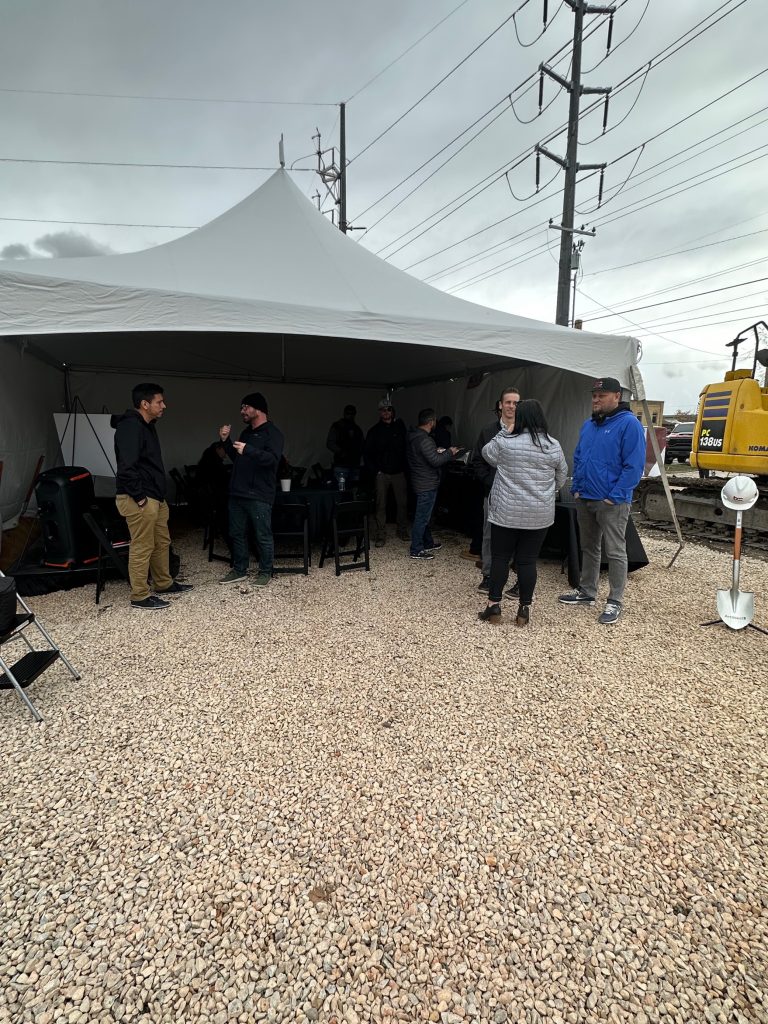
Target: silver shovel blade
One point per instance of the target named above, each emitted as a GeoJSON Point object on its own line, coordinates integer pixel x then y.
{"type": "Point", "coordinates": [736, 608]}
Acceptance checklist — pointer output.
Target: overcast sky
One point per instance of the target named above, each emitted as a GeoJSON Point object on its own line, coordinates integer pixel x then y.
{"type": "Point", "coordinates": [185, 82]}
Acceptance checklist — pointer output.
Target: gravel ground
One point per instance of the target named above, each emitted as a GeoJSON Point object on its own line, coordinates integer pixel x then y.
{"type": "Point", "coordinates": [346, 800]}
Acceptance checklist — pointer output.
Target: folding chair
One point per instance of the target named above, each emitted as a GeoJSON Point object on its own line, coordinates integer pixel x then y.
{"type": "Point", "coordinates": [349, 520]}
{"type": "Point", "coordinates": [290, 522]}
{"type": "Point", "coordinates": [34, 662]}
{"type": "Point", "coordinates": [114, 551]}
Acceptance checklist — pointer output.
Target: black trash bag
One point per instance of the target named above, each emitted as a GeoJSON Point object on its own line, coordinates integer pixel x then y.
{"type": "Point", "coordinates": [7, 604]}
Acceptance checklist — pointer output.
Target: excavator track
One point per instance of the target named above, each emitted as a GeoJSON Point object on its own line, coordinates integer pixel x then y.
{"type": "Point", "coordinates": [700, 512]}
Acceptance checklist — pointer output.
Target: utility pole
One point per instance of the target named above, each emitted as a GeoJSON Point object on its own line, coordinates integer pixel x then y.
{"type": "Point", "coordinates": [343, 167]}
{"type": "Point", "coordinates": [570, 164]}
{"type": "Point", "coordinates": [335, 177]}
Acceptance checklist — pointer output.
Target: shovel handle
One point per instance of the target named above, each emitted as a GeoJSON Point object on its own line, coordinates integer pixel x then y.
{"type": "Point", "coordinates": [737, 539]}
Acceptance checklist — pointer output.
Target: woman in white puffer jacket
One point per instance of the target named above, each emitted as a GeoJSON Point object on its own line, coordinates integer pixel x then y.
{"type": "Point", "coordinates": [530, 469]}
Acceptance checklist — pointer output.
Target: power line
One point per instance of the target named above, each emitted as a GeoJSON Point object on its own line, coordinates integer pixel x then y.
{"type": "Point", "coordinates": [681, 298]}
{"type": "Point", "coordinates": [640, 205]}
{"type": "Point", "coordinates": [168, 99]}
{"type": "Point", "coordinates": [434, 87]}
{"type": "Point", "coordinates": [677, 252]}
{"type": "Point", "coordinates": [685, 284]}
{"type": "Point", "coordinates": [100, 223]}
{"type": "Point", "coordinates": [130, 163]}
{"type": "Point", "coordinates": [659, 59]}
{"type": "Point", "coordinates": [671, 341]}
{"type": "Point", "coordinates": [508, 98]}
{"type": "Point", "coordinates": [598, 222]}
{"type": "Point", "coordinates": [408, 50]}
{"type": "Point", "coordinates": [716, 323]}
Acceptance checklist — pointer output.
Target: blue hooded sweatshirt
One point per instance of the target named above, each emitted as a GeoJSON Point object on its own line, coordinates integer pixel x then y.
{"type": "Point", "coordinates": [610, 458]}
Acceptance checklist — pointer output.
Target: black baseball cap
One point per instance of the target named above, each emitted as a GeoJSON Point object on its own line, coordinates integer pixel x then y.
{"type": "Point", "coordinates": [606, 384]}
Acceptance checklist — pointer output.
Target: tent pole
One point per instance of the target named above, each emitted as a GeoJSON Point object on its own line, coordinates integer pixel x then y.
{"type": "Point", "coordinates": [639, 389]}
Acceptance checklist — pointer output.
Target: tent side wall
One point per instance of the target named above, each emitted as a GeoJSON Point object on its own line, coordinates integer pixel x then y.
{"type": "Point", "coordinates": [30, 392]}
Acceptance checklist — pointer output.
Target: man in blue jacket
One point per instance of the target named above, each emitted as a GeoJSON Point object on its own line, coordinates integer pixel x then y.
{"type": "Point", "coordinates": [255, 458]}
{"type": "Point", "coordinates": [607, 466]}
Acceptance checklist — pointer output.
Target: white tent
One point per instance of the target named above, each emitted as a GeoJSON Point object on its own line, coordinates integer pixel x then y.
{"type": "Point", "coordinates": [268, 293]}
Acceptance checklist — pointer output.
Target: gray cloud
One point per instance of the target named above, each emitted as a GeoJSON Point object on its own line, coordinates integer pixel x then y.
{"type": "Point", "coordinates": [16, 251]}
{"type": "Point", "coordinates": [293, 51]}
{"type": "Point", "coordinates": [71, 243]}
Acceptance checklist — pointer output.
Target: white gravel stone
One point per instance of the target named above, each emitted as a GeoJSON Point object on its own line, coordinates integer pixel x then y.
{"type": "Point", "coordinates": [347, 801]}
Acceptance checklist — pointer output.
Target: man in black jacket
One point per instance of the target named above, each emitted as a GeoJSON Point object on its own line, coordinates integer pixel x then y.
{"type": "Point", "coordinates": [255, 458]}
{"type": "Point", "coordinates": [425, 460]}
{"type": "Point", "coordinates": [346, 441]}
{"type": "Point", "coordinates": [140, 497]}
{"type": "Point", "coordinates": [385, 460]}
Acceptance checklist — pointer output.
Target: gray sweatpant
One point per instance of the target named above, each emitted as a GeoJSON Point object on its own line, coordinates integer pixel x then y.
{"type": "Point", "coordinates": [600, 523]}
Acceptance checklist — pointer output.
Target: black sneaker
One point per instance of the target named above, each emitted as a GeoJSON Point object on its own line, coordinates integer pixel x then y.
{"type": "Point", "coordinates": [233, 576]}
{"type": "Point", "coordinates": [576, 597]}
{"type": "Point", "coordinates": [523, 615]}
{"type": "Point", "coordinates": [513, 591]}
{"type": "Point", "coordinates": [423, 556]}
{"type": "Point", "coordinates": [436, 546]}
{"type": "Point", "coordinates": [150, 602]}
{"type": "Point", "coordinates": [176, 588]}
{"type": "Point", "coordinates": [484, 584]}
{"type": "Point", "coordinates": [379, 542]}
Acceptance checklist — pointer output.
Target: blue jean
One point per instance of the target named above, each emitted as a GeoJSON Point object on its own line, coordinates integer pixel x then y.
{"type": "Point", "coordinates": [259, 513]}
{"type": "Point", "coordinates": [421, 535]}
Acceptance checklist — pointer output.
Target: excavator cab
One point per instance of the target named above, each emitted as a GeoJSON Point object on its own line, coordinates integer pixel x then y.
{"type": "Point", "coordinates": [731, 432]}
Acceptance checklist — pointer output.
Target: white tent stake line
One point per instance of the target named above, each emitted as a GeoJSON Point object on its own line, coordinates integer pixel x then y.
{"type": "Point", "coordinates": [638, 387]}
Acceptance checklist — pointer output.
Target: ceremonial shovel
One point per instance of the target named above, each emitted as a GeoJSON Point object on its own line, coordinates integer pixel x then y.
{"type": "Point", "coordinates": [736, 607]}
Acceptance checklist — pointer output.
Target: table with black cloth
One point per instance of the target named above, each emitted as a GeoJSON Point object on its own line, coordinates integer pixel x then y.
{"type": "Point", "coordinates": [562, 541]}
{"type": "Point", "coordinates": [320, 501]}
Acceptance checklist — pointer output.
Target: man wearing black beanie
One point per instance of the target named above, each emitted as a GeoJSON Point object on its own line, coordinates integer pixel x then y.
{"type": "Point", "coordinates": [255, 458]}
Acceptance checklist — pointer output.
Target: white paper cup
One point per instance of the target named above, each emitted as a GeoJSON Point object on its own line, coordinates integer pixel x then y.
{"type": "Point", "coordinates": [285, 484]}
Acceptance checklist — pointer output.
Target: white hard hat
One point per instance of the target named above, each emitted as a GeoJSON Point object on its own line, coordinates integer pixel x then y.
{"type": "Point", "coordinates": [740, 492]}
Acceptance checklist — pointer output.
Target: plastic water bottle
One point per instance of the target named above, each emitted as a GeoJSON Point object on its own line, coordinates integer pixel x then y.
{"type": "Point", "coordinates": [342, 482]}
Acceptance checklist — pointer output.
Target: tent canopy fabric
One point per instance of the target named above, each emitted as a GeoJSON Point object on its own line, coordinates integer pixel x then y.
{"type": "Point", "coordinates": [271, 290]}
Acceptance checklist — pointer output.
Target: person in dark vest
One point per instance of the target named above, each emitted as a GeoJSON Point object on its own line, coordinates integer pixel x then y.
{"type": "Point", "coordinates": [346, 442]}
{"type": "Point", "coordinates": [385, 460]}
{"type": "Point", "coordinates": [424, 462]}
{"type": "Point", "coordinates": [140, 497]}
{"type": "Point", "coordinates": [255, 458]}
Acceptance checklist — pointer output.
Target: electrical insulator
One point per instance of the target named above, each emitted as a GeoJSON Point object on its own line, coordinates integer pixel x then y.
{"type": "Point", "coordinates": [545, 13]}
{"type": "Point", "coordinates": [541, 89]}
{"type": "Point", "coordinates": [605, 112]}
{"type": "Point", "coordinates": [600, 190]}
{"type": "Point", "coordinates": [538, 170]}
{"type": "Point", "coordinates": [610, 35]}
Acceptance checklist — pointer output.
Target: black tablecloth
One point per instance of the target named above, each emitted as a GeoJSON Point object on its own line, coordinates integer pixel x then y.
{"type": "Point", "coordinates": [562, 541]}
{"type": "Point", "coordinates": [320, 501]}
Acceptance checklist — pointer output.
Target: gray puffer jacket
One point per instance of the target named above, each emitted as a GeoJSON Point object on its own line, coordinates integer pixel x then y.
{"type": "Point", "coordinates": [424, 460]}
{"type": "Point", "coordinates": [527, 480]}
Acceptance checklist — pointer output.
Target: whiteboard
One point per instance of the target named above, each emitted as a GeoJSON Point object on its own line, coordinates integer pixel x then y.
{"type": "Point", "coordinates": [82, 439]}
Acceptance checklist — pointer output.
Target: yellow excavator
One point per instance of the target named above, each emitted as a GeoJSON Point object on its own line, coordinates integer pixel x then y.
{"type": "Point", "coordinates": [730, 436]}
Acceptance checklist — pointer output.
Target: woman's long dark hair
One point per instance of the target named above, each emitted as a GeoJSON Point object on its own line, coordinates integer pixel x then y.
{"type": "Point", "coordinates": [529, 416]}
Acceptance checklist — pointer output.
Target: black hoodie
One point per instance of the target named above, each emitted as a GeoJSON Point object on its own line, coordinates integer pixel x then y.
{"type": "Point", "coordinates": [140, 470]}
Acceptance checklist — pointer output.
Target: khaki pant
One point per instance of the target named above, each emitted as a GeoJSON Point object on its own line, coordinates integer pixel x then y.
{"type": "Point", "coordinates": [150, 541]}
{"type": "Point", "coordinates": [397, 482]}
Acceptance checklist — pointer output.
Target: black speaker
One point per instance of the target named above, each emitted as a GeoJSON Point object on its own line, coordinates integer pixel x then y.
{"type": "Point", "coordinates": [63, 494]}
